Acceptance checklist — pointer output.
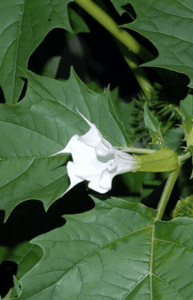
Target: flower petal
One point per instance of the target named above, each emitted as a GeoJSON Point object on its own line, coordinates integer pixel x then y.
{"type": "Point", "coordinates": [94, 184]}
{"type": "Point", "coordinates": [93, 136]}
{"type": "Point", "coordinates": [95, 160]}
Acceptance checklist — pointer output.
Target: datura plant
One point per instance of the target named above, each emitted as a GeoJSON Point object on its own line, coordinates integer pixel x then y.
{"type": "Point", "coordinates": [96, 150]}
{"type": "Point", "coordinates": [96, 160]}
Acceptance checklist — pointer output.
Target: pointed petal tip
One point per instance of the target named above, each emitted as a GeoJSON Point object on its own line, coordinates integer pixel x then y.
{"type": "Point", "coordinates": [88, 122]}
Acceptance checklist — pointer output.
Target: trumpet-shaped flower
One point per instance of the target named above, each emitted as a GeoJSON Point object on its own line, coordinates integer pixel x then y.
{"type": "Point", "coordinates": [96, 160]}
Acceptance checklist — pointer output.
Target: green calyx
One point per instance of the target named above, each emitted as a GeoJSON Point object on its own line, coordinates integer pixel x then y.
{"type": "Point", "coordinates": [184, 208]}
{"type": "Point", "coordinates": [162, 160]}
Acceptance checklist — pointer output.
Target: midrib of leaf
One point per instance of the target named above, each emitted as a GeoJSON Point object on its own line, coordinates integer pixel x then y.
{"type": "Point", "coordinates": [151, 262]}
{"type": "Point", "coordinates": [18, 41]}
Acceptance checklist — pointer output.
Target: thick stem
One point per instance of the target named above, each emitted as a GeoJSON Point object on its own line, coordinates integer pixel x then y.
{"type": "Point", "coordinates": [185, 156]}
{"type": "Point", "coordinates": [122, 35]}
{"type": "Point", "coordinates": [167, 191]}
{"type": "Point", "coordinates": [138, 72]}
{"type": "Point", "coordinates": [123, 41]}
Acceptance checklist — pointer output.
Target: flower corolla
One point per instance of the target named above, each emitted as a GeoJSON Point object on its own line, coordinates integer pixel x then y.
{"type": "Point", "coordinates": [95, 160]}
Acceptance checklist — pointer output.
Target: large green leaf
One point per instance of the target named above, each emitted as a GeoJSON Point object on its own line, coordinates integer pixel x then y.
{"type": "Point", "coordinates": [23, 25]}
{"type": "Point", "coordinates": [168, 25]}
{"type": "Point", "coordinates": [42, 124]}
{"type": "Point", "coordinates": [114, 251]}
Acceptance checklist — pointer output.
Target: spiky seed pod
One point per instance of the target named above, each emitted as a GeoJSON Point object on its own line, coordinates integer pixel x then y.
{"type": "Point", "coordinates": [184, 208]}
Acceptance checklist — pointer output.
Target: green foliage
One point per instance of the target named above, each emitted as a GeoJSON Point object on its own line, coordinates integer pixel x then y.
{"type": "Point", "coordinates": [120, 249]}
{"type": "Point", "coordinates": [185, 112]}
{"type": "Point", "coordinates": [46, 118]}
{"type": "Point", "coordinates": [22, 30]}
{"type": "Point", "coordinates": [154, 127]}
{"type": "Point", "coordinates": [184, 208]}
{"type": "Point", "coordinates": [168, 26]}
{"type": "Point", "coordinates": [121, 256]}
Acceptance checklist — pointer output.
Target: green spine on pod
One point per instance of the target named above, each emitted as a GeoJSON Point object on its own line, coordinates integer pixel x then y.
{"type": "Point", "coordinates": [184, 208]}
{"type": "Point", "coordinates": [162, 160]}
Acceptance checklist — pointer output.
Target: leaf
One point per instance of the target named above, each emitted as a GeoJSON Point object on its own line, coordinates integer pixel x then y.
{"type": "Point", "coordinates": [24, 254]}
{"type": "Point", "coordinates": [168, 25]}
{"type": "Point", "coordinates": [17, 288]}
{"type": "Point", "coordinates": [35, 178]}
{"type": "Point", "coordinates": [41, 125]}
{"type": "Point", "coordinates": [23, 26]}
{"type": "Point", "coordinates": [187, 106]}
{"type": "Point", "coordinates": [118, 4]}
{"type": "Point", "coordinates": [187, 116]}
{"type": "Point", "coordinates": [154, 127]}
{"type": "Point", "coordinates": [114, 251]}
{"type": "Point", "coordinates": [77, 22]}
{"type": "Point", "coordinates": [186, 112]}
{"type": "Point", "coordinates": [173, 138]}
{"type": "Point", "coordinates": [51, 67]}
{"type": "Point", "coordinates": [124, 112]}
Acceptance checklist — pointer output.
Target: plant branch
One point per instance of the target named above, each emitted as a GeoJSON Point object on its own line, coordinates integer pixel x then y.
{"type": "Point", "coordinates": [122, 35]}
{"type": "Point", "coordinates": [185, 156]}
{"type": "Point", "coordinates": [138, 72]}
{"type": "Point", "coordinates": [123, 41]}
{"type": "Point", "coordinates": [167, 191]}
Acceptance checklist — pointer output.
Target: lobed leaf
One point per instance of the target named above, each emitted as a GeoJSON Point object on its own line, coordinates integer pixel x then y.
{"type": "Point", "coordinates": [24, 254]}
{"type": "Point", "coordinates": [41, 125]}
{"type": "Point", "coordinates": [114, 251]}
{"type": "Point", "coordinates": [168, 25]}
{"type": "Point", "coordinates": [23, 25]}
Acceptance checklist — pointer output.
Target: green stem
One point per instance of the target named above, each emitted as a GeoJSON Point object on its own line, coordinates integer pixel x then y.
{"type": "Point", "coordinates": [185, 156]}
{"type": "Point", "coordinates": [167, 191]}
{"type": "Point", "coordinates": [122, 35]}
{"type": "Point", "coordinates": [124, 41]}
{"type": "Point", "coordinates": [138, 72]}
{"type": "Point", "coordinates": [137, 150]}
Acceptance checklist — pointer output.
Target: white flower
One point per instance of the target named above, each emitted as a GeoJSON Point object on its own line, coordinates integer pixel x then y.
{"type": "Point", "coordinates": [95, 160]}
